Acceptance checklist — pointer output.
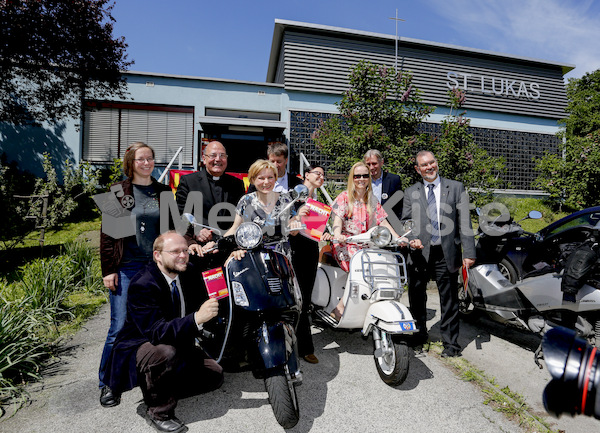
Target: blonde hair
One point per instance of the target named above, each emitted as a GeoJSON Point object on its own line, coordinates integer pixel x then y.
{"type": "Point", "coordinates": [258, 166]}
{"type": "Point", "coordinates": [129, 157]}
{"type": "Point", "coordinates": [352, 191]}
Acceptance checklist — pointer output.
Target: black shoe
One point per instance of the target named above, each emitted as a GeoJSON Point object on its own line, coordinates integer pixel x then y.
{"type": "Point", "coordinates": [171, 425]}
{"type": "Point", "coordinates": [418, 339]}
{"type": "Point", "coordinates": [450, 352]}
{"type": "Point", "coordinates": [108, 398]}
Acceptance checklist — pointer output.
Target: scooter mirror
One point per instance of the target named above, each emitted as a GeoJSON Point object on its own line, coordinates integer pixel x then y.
{"type": "Point", "coordinates": [535, 215]}
{"type": "Point", "coordinates": [408, 225]}
{"type": "Point", "coordinates": [188, 218]}
{"type": "Point", "coordinates": [300, 192]}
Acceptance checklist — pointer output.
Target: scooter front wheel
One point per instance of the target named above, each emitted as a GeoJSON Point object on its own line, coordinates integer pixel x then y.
{"type": "Point", "coordinates": [391, 358]}
{"type": "Point", "coordinates": [283, 398]}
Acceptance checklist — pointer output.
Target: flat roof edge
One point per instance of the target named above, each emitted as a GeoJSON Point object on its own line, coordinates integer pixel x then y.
{"type": "Point", "coordinates": [566, 67]}
{"type": "Point", "coordinates": [197, 78]}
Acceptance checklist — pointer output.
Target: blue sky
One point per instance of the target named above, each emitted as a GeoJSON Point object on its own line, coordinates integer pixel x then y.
{"type": "Point", "coordinates": [232, 39]}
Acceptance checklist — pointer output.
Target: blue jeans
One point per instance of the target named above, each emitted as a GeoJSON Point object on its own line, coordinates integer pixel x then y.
{"type": "Point", "coordinates": [118, 311]}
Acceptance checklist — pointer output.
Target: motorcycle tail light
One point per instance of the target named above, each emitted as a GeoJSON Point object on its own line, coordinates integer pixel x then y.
{"type": "Point", "coordinates": [354, 290]}
{"type": "Point", "coordinates": [239, 294]}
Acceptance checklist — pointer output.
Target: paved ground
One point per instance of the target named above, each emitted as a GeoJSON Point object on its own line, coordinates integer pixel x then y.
{"type": "Point", "coordinates": [341, 393]}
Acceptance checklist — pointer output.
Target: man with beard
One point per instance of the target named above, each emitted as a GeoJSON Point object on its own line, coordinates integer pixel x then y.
{"type": "Point", "coordinates": [440, 210]}
{"type": "Point", "coordinates": [156, 349]}
{"type": "Point", "coordinates": [216, 188]}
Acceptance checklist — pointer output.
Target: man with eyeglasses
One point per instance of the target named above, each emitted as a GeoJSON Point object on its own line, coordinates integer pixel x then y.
{"type": "Point", "coordinates": [216, 188]}
{"type": "Point", "coordinates": [440, 210]}
{"type": "Point", "coordinates": [156, 349]}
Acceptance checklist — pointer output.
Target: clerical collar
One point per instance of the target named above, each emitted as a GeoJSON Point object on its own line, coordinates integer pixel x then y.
{"type": "Point", "coordinates": [216, 177]}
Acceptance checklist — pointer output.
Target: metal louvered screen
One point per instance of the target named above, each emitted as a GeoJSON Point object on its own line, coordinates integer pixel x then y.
{"type": "Point", "coordinates": [108, 132]}
{"type": "Point", "coordinates": [519, 148]}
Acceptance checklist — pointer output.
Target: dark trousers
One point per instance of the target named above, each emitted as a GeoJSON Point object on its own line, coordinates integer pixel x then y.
{"type": "Point", "coordinates": [166, 375]}
{"type": "Point", "coordinates": [419, 274]}
{"type": "Point", "coordinates": [305, 259]}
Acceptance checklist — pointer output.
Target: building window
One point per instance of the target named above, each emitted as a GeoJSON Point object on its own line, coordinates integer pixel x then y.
{"type": "Point", "coordinates": [519, 149]}
{"type": "Point", "coordinates": [109, 128]}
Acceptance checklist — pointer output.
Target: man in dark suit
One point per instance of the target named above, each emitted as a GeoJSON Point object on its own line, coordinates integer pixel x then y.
{"type": "Point", "coordinates": [440, 209]}
{"type": "Point", "coordinates": [166, 308]}
{"type": "Point", "coordinates": [278, 154]}
{"type": "Point", "coordinates": [218, 190]}
{"type": "Point", "coordinates": [384, 184]}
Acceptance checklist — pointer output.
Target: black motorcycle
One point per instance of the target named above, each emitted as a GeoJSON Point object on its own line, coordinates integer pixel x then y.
{"type": "Point", "coordinates": [525, 253]}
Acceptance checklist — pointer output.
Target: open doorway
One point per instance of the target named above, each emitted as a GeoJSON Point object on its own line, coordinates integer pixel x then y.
{"type": "Point", "coordinates": [243, 147]}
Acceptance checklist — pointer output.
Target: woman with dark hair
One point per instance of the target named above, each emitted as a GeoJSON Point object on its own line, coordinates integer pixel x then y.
{"type": "Point", "coordinates": [305, 258]}
{"type": "Point", "coordinates": [122, 258]}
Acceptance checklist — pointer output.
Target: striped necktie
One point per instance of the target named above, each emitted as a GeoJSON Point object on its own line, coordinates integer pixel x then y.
{"type": "Point", "coordinates": [176, 299]}
{"type": "Point", "coordinates": [432, 214]}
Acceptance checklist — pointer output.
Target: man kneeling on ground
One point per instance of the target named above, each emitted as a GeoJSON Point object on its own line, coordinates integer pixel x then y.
{"type": "Point", "coordinates": [156, 349]}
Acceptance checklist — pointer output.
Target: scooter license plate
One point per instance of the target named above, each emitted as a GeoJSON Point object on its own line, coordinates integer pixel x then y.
{"type": "Point", "coordinates": [408, 326]}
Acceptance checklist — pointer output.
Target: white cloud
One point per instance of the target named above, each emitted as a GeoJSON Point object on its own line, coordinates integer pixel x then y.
{"type": "Point", "coordinates": [556, 30]}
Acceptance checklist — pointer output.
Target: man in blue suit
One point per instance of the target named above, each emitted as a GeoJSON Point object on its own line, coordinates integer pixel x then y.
{"type": "Point", "coordinates": [440, 209]}
{"type": "Point", "coordinates": [156, 349]}
{"type": "Point", "coordinates": [384, 184]}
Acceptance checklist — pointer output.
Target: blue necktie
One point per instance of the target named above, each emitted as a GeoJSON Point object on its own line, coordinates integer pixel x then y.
{"type": "Point", "coordinates": [176, 299]}
{"type": "Point", "coordinates": [432, 214]}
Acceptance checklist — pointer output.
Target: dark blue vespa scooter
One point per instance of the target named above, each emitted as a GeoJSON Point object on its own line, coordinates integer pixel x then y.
{"type": "Point", "coordinates": [263, 307]}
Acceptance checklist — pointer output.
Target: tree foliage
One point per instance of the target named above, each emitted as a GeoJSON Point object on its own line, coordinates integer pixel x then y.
{"type": "Point", "coordinates": [72, 192]}
{"type": "Point", "coordinates": [572, 176]}
{"type": "Point", "coordinates": [460, 158]}
{"type": "Point", "coordinates": [381, 110]}
{"type": "Point", "coordinates": [53, 53]}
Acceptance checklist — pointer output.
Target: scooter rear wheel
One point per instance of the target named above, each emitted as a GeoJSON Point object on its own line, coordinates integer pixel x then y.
{"type": "Point", "coordinates": [391, 358]}
{"type": "Point", "coordinates": [283, 399]}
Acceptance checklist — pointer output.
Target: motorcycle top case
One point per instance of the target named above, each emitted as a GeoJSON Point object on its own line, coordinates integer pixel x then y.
{"type": "Point", "coordinates": [267, 279]}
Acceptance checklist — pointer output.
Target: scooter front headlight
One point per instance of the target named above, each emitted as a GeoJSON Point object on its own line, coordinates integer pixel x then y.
{"type": "Point", "coordinates": [248, 235]}
{"type": "Point", "coordinates": [381, 236]}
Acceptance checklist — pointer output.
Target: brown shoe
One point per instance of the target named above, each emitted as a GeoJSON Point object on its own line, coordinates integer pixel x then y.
{"type": "Point", "coordinates": [312, 359]}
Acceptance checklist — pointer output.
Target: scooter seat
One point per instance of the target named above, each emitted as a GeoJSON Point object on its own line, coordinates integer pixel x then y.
{"type": "Point", "coordinates": [326, 256]}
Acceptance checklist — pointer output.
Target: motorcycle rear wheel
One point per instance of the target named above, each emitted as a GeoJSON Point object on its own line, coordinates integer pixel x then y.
{"type": "Point", "coordinates": [283, 399]}
{"type": "Point", "coordinates": [393, 363]}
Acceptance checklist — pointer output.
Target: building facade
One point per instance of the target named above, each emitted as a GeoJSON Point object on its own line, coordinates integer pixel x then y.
{"type": "Point", "coordinates": [514, 103]}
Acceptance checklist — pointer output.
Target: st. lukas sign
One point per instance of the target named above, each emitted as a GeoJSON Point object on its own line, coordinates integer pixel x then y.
{"type": "Point", "coordinates": [490, 85]}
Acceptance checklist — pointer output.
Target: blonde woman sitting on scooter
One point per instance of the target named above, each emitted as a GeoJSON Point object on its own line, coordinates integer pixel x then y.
{"type": "Point", "coordinates": [355, 211]}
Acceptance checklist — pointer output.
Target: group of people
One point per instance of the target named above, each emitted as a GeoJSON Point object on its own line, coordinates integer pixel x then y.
{"type": "Point", "coordinates": [157, 310]}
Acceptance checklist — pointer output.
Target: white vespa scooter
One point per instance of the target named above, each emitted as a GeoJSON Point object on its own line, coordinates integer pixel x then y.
{"type": "Point", "coordinates": [371, 293]}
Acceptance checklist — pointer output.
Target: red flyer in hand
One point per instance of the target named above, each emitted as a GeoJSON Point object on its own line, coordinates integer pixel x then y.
{"type": "Point", "coordinates": [216, 286]}
{"type": "Point", "coordinates": [316, 220]}
{"type": "Point", "coordinates": [465, 275]}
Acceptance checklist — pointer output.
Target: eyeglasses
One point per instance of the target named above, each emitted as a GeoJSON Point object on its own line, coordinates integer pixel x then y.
{"type": "Point", "coordinates": [358, 176]}
{"type": "Point", "coordinates": [215, 155]}
{"type": "Point", "coordinates": [141, 160]}
{"type": "Point", "coordinates": [176, 253]}
{"type": "Point", "coordinates": [318, 174]}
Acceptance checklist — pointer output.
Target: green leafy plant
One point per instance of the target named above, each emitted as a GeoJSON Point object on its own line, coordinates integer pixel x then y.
{"type": "Point", "coordinates": [50, 297]}
{"type": "Point", "coordinates": [460, 158]}
{"type": "Point", "coordinates": [381, 110]}
{"type": "Point", "coordinates": [571, 176]}
{"type": "Point", "coordinates": [21, 349]}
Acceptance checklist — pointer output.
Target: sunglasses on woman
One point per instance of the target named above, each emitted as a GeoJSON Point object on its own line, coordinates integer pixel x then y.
{"type": "Point", "coordinates": [358, 176]}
